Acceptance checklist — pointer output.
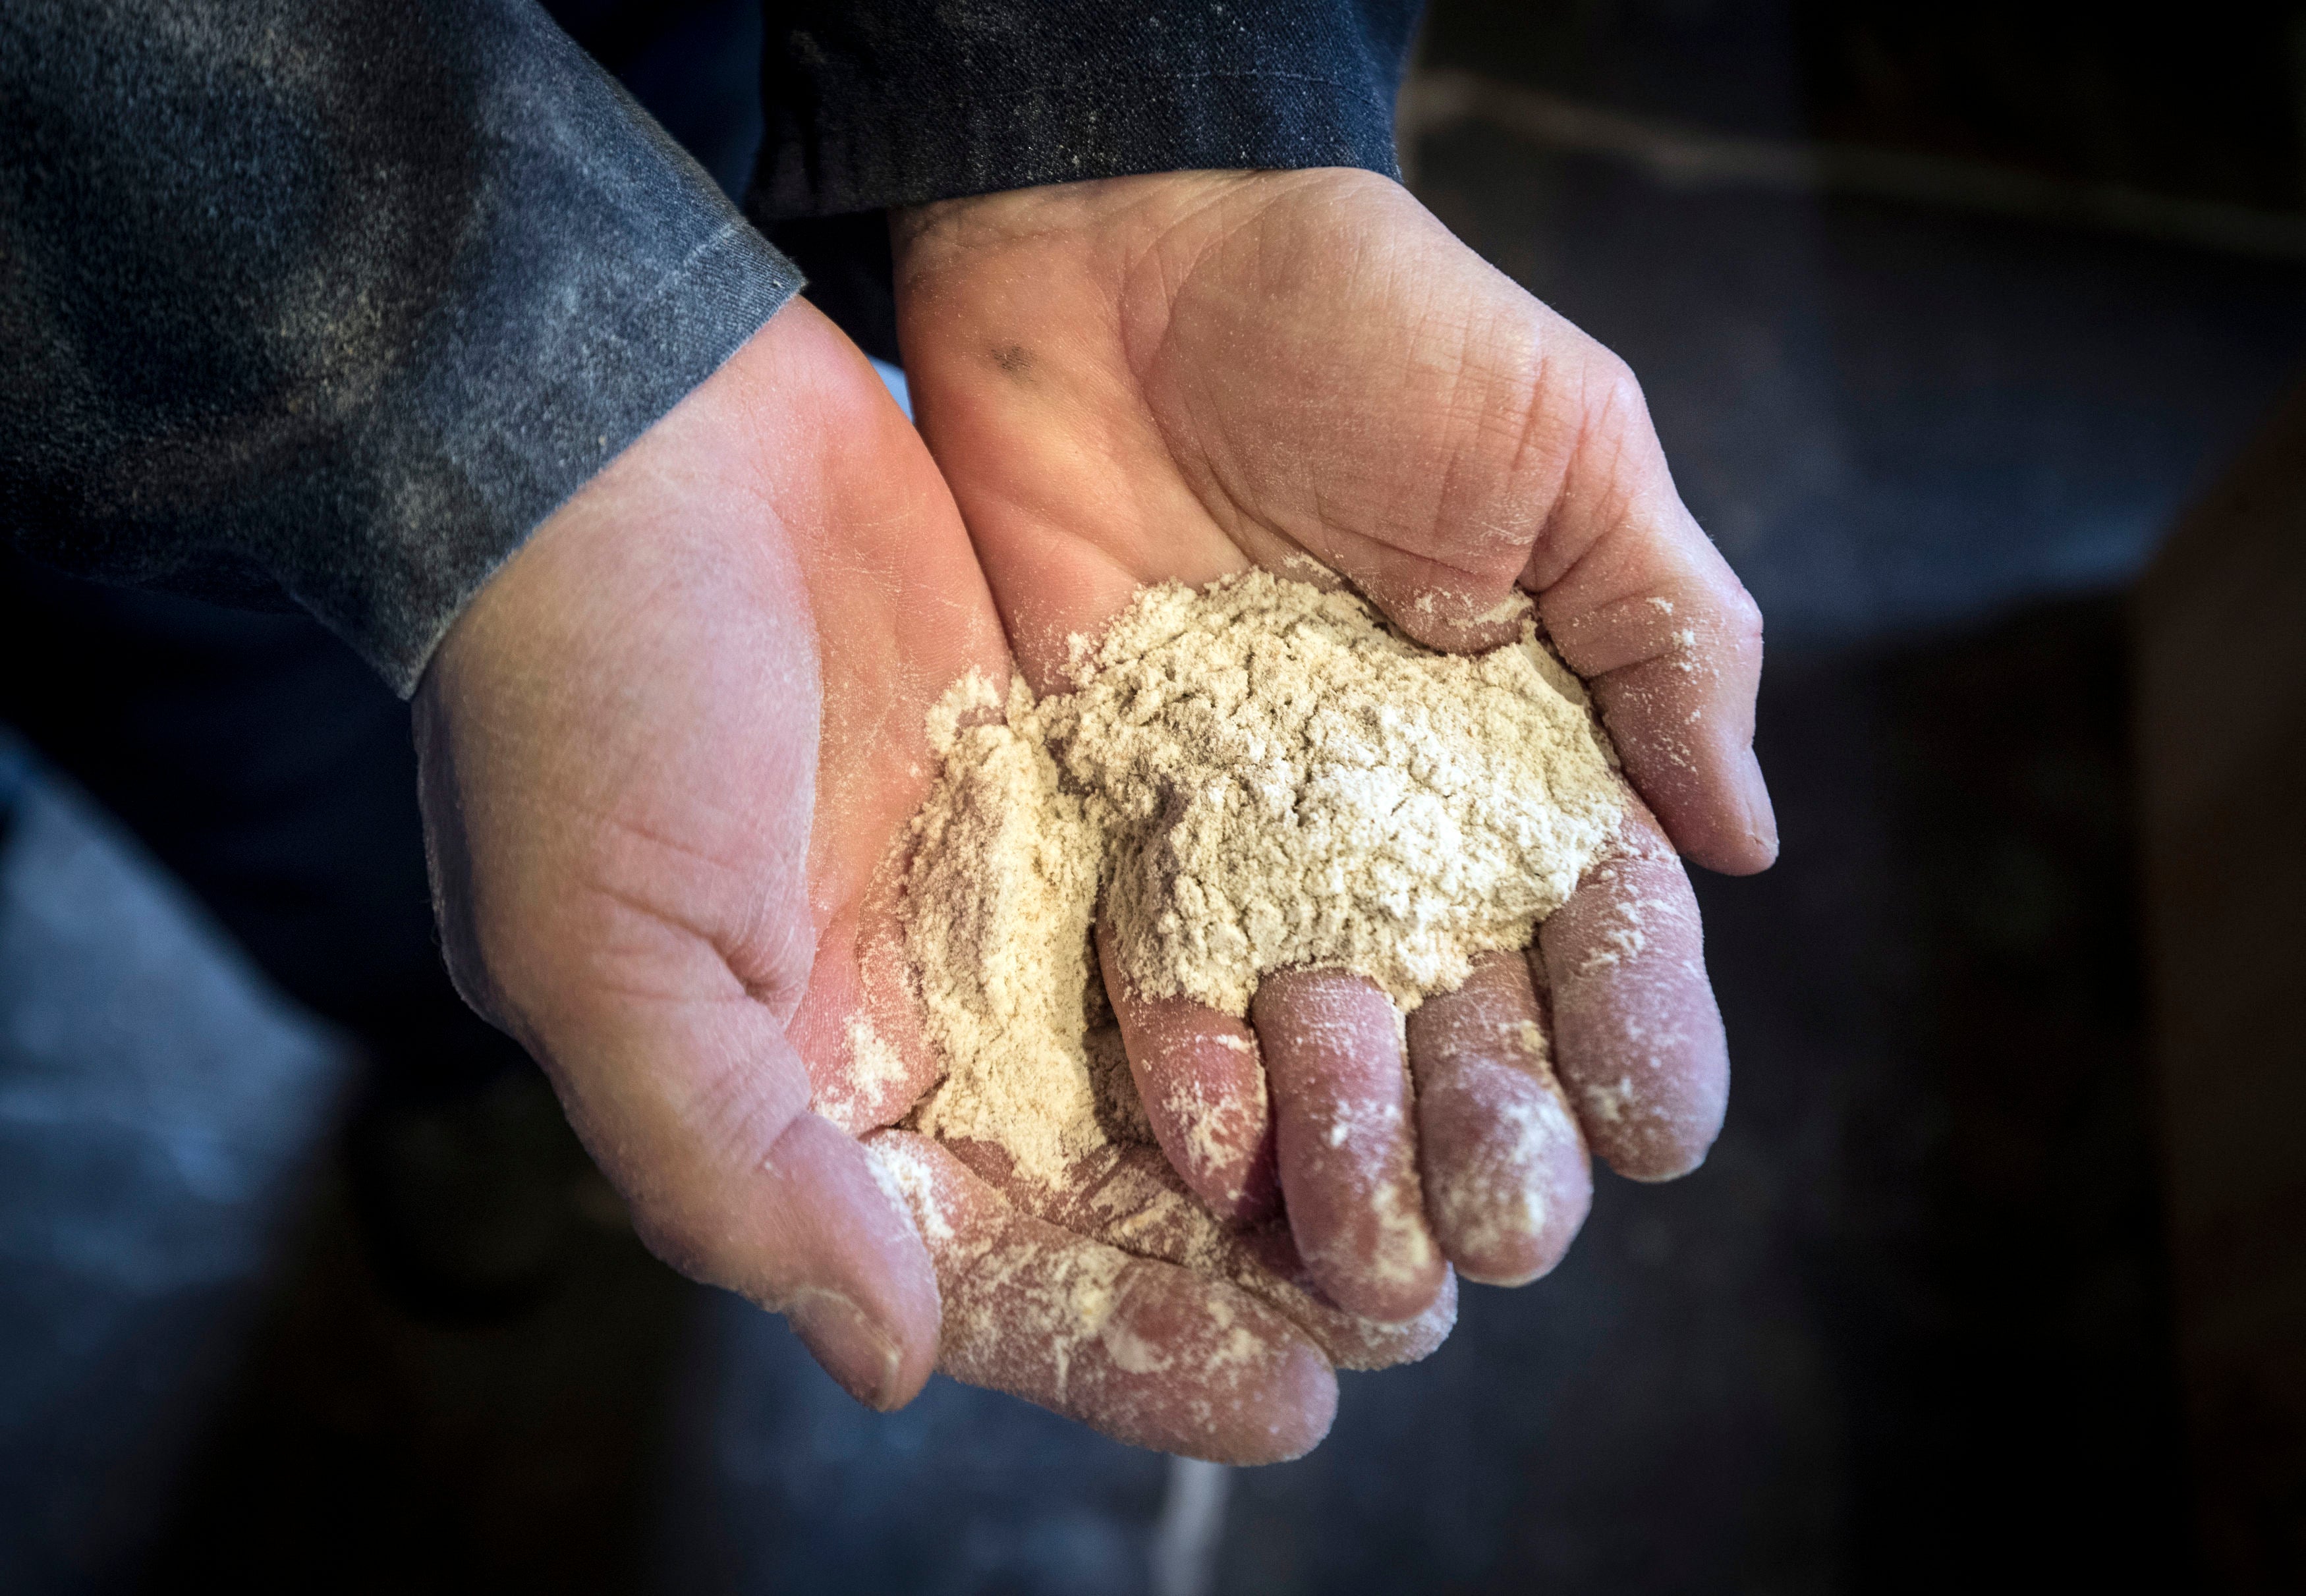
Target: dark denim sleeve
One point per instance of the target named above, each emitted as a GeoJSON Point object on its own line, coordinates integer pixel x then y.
{"type": "Point", "coordinates": [336, 302]}
{"type": "Point", "coordinates": [896, 102]}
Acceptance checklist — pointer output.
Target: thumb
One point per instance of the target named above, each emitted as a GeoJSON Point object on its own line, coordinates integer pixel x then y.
{"type": "Point", "coordinates": [696, 1107]}
{"type": "Point", "coordinates": [1643, 607]}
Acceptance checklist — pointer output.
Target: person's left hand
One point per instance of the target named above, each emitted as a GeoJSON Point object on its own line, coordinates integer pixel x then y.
{"type": "Point", "coordinates": [668, 755]}
{"type": "Point", "coordinates": [1180, 376]}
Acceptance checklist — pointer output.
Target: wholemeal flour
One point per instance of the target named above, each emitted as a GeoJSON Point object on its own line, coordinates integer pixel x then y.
{"type": "Point", "coordinates": [1258, 776]}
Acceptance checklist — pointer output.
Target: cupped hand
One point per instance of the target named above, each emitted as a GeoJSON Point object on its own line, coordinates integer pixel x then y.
{"type": "Point", "coordinates": [665, 753]}
{"type": "Point", "coordinates": [1180, 376]}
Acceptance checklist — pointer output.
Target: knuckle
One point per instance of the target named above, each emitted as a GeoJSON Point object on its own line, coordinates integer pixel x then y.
{"type": "Point", "coordinates": [678, 1240]}
{"type": "Point", "coordinates": [1613, 394]}
{"type": "Point", "coordinates": [1741, 618]}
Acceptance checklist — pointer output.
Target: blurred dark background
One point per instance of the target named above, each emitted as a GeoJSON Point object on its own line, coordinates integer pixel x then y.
{"type": "Point", "coordinates": [1973, 332]}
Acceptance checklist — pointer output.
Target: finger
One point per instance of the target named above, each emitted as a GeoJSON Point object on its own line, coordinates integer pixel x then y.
{"type": "Point", "coordinates": [1638, 1036]}
{"type": "Point", "coordinates": [1344, 1142]}
{"type": "Point", "coordinates": [839, 1261]}
{"type": "Point", "coordinates": [1643, 607]}
{"type": "Point", "coordinates": [1265, 1262]}
{"type": "Point", "coordinates": [1134, 1199]}
{"type": "Point", "coordinates": [1506, 1180]}
{"type": "Point", "coordinates": [1146, 1352]}
{"type": "Point", "coordinates": [1139, 1204]}
{"type": "Point", "coordinates": [1202, 1083]}
{"type": "Point", "coordinates": [696, 1110]}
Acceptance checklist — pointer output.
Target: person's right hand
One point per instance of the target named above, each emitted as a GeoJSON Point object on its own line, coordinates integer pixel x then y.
{"type": "Point", "coordinates": [1184, 375]}
{"type": "Point", "coordinates": [665, 753]}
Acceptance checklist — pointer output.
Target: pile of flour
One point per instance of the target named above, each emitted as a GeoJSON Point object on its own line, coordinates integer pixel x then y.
{"type": "Point", "coordinates": [1258, 776]}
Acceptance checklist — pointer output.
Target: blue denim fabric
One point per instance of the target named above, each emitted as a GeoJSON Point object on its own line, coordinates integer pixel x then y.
{"type": "Point", "coordinates": [337, 302]}
{"type": "Point", "coordinates": [898, 102]}
{"type": "Point", "coordinates": [334, 302]}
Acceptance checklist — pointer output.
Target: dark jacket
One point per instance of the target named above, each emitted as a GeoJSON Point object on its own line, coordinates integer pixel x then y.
{"type": "Point", "coordinates": [334, 301]}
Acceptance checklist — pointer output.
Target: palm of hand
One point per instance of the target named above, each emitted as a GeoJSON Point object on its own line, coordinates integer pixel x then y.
{"type": "Point", "coordinates": [1180, 376]}
{"type": "Point", "coordinates": [665, 757]}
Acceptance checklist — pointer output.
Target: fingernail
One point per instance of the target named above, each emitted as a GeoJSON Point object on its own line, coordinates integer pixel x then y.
{"type": "Point", "coordinates": [848, 1345]}
{"type": "Point", "coordinates": [1761, 814]}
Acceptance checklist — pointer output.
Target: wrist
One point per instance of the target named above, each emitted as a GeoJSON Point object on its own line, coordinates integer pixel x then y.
{"type": "Point", "coordinates": [677, 485]}
{"type": "Point", "coordinates": [927, 239]}
{"type": "Point", "coordinates": [1105, 226]}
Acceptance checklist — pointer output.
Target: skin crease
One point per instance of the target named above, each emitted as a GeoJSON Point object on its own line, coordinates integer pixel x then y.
{"type": "Point", "coordinates": [1183, 375]}
{"type": "Point", "coordinates": [663, 756]}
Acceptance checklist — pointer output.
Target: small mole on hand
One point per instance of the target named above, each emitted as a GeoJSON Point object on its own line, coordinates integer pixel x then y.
{"type": "Point", "coordinates": [1012, 358]}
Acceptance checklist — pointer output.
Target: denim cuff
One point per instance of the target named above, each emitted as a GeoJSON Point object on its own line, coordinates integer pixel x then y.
{"type": "Point", "coordinates": [905, 103]}
{"type": "Point", "coordinates": [336, 303]}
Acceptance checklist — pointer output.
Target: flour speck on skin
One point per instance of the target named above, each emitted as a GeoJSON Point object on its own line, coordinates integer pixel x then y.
{"type": "Point", "coordinates": [875, 1069]}
{"type": "Point", "coordinates": [906, 1181]}
{"type": "Point", "coordinates": [1259, 776]}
